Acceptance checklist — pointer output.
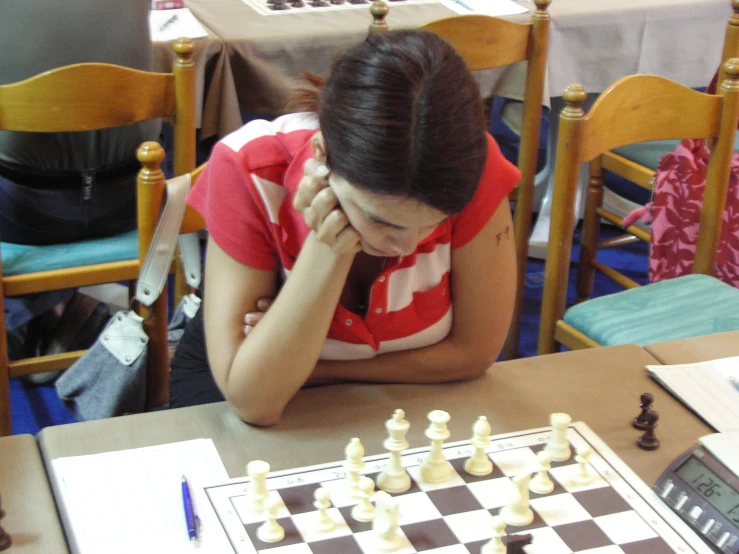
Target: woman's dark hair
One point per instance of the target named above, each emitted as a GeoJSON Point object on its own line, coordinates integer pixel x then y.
{"type": "Point", "coordinates": [402, 115]}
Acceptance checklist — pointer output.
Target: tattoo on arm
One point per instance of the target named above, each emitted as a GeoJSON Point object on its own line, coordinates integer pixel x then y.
{"type": "Point", "coordinates": [504, 234]}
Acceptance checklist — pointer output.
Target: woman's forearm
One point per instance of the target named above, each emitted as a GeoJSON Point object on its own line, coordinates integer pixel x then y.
{"type": "Point", "coordinates": [447, 360]}
{"type": "Point", "coordinates": [280, 353]}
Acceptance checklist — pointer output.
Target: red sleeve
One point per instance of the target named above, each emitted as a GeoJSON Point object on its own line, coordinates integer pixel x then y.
{"type": "Point", "coordinates": [498, 179]}
{"type": "Point", "coordinates": [235, 216]}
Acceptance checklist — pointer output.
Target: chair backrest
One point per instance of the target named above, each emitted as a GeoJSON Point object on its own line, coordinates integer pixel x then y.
{"type": "Point", "coordinates": [150, 198]}
{"type": "Point", "coordinates": [91, 96]}
{"type": "Point", "coordinates": [489, 42]}
{"type": "Point", "coordinates": [635, 109]}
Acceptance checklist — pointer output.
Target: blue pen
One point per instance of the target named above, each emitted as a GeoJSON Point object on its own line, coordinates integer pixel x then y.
{"type": "Point", "coordinates": [190, 517]}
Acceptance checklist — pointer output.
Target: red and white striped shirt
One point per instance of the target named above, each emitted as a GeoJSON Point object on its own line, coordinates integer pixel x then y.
{"type": "Point", "coordinates": [245, 195]}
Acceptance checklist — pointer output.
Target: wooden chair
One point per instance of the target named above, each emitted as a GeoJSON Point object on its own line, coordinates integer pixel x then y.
{"type": "Point", "coordinates": [84, 97]}
{"type": "Point", "coordinates": [151, 194]}
{"type": "Point", "coordinates": [636, 109]}
{"type": "Point", "coordinates": [488, 42]}
{"type": "Point", "coordinates": [636, 163]}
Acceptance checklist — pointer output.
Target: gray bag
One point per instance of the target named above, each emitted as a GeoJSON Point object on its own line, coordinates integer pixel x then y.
{"type": "Point", "coordinates": [110, 378]}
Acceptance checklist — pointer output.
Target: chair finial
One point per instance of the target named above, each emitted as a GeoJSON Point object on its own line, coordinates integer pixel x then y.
{"type": "Point", "coordinates": [574, 97]}
{"type": "Point", "coordinates": [379, 10]}
{"type": "Point", "coordinates": [542, 5]}
{"type": "Point", "coordinates": [731, 67]}
{"type": "Point", "coordinates": [185, 46]}
{"type": "Point", "coordinates": [150, 154]}
{"type": "Point", "coordinates": [735, 7]}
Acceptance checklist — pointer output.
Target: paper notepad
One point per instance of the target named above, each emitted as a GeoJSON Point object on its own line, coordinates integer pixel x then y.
{"type": "Point", "coordinates": [494, 8]}
{"type": "Point", "coordinates": [166, 25]}
{"type": "Point", "coordinates": [131, 500]}
{"type": "Point", "coordinates": [710, 389]}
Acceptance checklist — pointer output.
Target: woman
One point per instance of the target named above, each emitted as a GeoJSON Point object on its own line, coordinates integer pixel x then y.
{"type": "Point", "coordinates": [384, 211]}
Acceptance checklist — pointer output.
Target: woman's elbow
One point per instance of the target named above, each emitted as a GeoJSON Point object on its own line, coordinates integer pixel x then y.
{"type": "Point", "coordinates": [257, 417]}
{"type": "Point", "coordinates": [473, 365]}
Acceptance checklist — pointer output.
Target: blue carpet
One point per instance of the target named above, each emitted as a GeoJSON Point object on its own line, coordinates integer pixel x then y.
{"type": "Point", "coordinates": [36, 407]}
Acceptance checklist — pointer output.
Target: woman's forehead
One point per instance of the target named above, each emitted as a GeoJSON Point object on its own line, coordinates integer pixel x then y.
{"type": "Point", "coordinates": [401, 211]}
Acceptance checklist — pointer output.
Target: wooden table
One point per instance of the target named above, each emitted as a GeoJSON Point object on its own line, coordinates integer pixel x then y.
{"type": "Point", "coordinates": [31, 518]}
{"type": "Point", "coordinates": [598, 386]}
{"type": "Point", "coordinates": [696, 349]}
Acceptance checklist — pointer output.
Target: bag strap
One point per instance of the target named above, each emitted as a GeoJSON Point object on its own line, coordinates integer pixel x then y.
{"type": "Point", "coordinates": [190, 255]}
{"type": "Point", "coordinates": [155, 270]}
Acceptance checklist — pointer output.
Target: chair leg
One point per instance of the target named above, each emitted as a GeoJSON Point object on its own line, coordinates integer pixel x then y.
{"type": "Point", "coordinates": [590, 231]}
{"type": "Point", "coordinates": [6, 427]}
{"type": "Point", "coordinates": [157, 366]}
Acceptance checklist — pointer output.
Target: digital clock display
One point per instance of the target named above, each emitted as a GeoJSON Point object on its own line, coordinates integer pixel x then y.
{"type": "Point", "coordinates": [715, 490]}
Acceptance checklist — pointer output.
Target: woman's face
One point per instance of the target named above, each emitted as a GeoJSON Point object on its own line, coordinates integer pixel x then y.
{"type": "Point", "coordinates": [388, 225]}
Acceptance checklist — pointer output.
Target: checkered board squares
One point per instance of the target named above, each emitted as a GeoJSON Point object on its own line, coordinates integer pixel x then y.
{"type": "Point", "coordinates": [615, 514]}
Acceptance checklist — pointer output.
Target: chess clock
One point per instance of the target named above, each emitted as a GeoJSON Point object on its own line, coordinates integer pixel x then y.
{"type": "Point", "coordinates": [702, 487]}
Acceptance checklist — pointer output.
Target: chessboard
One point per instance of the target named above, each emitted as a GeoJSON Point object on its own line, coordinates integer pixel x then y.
{"type": "Point", "coordinates": [286, 7]}
{"type": "Point", "coordinates": [614, 513]}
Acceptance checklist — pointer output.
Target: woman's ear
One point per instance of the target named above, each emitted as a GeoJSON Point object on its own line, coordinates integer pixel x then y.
{"type": "Point", "coordinates": [319, 147]}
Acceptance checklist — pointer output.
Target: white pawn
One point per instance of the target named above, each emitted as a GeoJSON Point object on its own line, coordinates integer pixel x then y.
{"type": "Point", "coordinates": [582, 475]}
{"type": "Point", "coordinates": [558, 447]}
{"type": "Point", "coordinates": [322, 502]}
{"type": "Point", "coordinates": [385, 524]}
{"type": "Point", "coordinates": [479, 463]}
{"type": "Point", "coordinates": [518, 512]}
{"type": "Point", "coordinates": [257, 491]}
{"type": "Point", "coordinates": [495, 545]}
{"type": "Point", "coordinates": [270, 530]}
{"type": "Point", "coordinates": [541, 483]}
{"type": "Point", "coordinates": [353, 464]}
{"type": "Point", "coordinates": [394, 478]}
{"type": "Point", "coordinates": [435, 468]}
{"type": "Point", "coordinates": [364, 511]}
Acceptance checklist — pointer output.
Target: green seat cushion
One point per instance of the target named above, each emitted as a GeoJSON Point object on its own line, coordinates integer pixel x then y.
{"type": "Point", "coordinates": [19, 259]}
{"type": "Point", "coordinates": [649, 153]}
{"type": "Point", "coordinates": [687, 306]}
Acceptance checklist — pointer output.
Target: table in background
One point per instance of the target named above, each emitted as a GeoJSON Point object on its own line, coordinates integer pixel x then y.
{"type": "Point", "coordinates": [217, 107]}
{"type": "Point", "coordinates": [591, 43]}
{"type": "Point", "coordinates": [696, 349]}
{"type": "Point", "coordinates": [598, 386]}
{"type": "Point", "coordinates": [31, 516]}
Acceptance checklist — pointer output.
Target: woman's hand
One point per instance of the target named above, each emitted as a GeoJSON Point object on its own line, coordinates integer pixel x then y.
{"type": "Point", "coordinates": [252, 318]}
{"type": "Point", "coordinates": [321, 210]}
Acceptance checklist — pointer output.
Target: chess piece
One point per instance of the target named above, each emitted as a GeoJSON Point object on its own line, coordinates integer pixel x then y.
{"type": "Point", "coordinates": [496, 545]}
{"type": "Point", "coordinates": [518, 511]}
{"type": "Point", "coordinates": [270, 530]}
{"type": "Point", "coordinates": [582, 475]}
{"type": "Point", "coordinates": [297, 3]}
{"type": "Point", "coordinates": [337, 2]}
{"type": "Point", "coordinates": [541, 483]}
{"type": "Point", "coordinates": [394, 478]}
{"type": "Point", "coordinates": [647, 399]}
{"type": "Point", "coordinates": [319, 3]}
{"type": "Point", "coordinates": [385, 524]}
{"type": "Point", "coordinates": [558, 446]}
{"type": "Point", "coordinates": [257, 491]}
{"type": "Point", "coordinates": [322, 502]}
{"type": "Point", "coordinates": [479, 463]}
{"type": "Point", "coordinates": [278, 5]}
{"type": "Point", "coordinates": [5, 540]}
{"type": "Point", "coordinates": [364, 511]}
{"type": "Point", "coordinates": [435, 468]}
{"type": "Point", "coordinates": [648, 441]}
{"type": "Point", "coordinates": [515, 543]}
{"type": "Point", "coordinates": [353, 464]}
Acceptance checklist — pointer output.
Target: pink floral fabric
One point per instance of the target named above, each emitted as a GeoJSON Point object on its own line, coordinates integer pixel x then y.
{"type": "Point", "coordinates": [678, 196]}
